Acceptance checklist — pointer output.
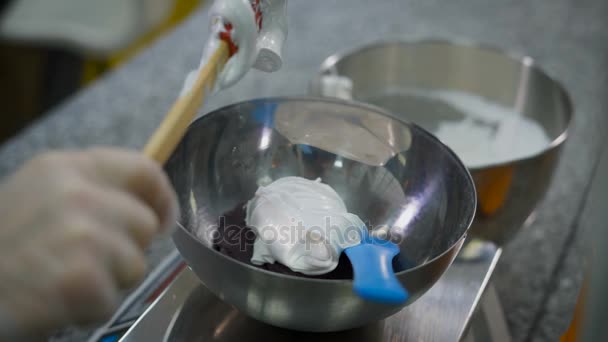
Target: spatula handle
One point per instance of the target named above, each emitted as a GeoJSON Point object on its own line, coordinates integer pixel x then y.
{"type": "Point", "coordinates": [375, 279]}
{"type": "Point", "coordinates": [173, 127]}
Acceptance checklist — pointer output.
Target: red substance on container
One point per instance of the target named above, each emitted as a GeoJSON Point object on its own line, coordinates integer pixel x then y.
{"type": "Point", "coordinates": [227, 34]}
{"type": "Point", "coordinates": [227, 37]}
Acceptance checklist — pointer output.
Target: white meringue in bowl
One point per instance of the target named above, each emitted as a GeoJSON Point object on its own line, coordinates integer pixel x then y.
{"type": "Point", "coordinates": [301, 223]}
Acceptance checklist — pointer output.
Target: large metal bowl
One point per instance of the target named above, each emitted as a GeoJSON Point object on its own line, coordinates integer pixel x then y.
{"type": "Point", "coordinates": [394, 175]}
{"type": "Point", "coordinates": [386, 73]}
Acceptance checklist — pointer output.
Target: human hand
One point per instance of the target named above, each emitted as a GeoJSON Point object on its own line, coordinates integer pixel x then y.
{"type": "Point", "coordinates": [73, 229]}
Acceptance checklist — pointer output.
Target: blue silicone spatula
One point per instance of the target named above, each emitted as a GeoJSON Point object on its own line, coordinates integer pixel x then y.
{"type": "Point", "coordinates": [374, 278]}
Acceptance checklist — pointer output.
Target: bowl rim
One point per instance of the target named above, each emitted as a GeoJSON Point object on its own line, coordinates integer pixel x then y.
{"type": "Point", "coordinates": [516, 57]}
{"type": "Point", "coordinates": [467, 176]}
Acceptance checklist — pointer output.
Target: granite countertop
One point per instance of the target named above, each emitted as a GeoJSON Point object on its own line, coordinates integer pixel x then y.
{"type": "Point", "coordinates": [539, 275]}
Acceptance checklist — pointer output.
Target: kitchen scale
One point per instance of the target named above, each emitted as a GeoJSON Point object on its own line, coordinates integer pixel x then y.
{"type": "Point", "coordinates": [172, 305]}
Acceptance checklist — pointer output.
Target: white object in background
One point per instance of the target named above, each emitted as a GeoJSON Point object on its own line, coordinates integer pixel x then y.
{"type": "Point", "coordinates": [96, 26]}
{"type": "Point", "coordinates": [244, 34]}
{"type": "Point", "coordinates": [490, 133]}
{"type": "Point", "coordinates": [272, 35]}
{"type": "Point", "coordinates": [261, 48]}
{"type": "Point", "coordinates": [301, 223]}
{"type": "Point", "coordinates": [337, 86]}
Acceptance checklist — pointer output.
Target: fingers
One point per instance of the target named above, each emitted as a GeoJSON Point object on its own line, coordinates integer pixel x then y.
{"type": "Point", "coordinates": [88, 291]}
{"type": "Point", "coordinates": [127, 226]}
{"type": "Point", "coordinates": [124, 213]}
{"type": "Point", "coordinates": [138, 175]}
{"type": "Point", "coordinates": [94, 246]}
{"type": "Point", "coordinates": [127, 262]}
{"type": "Point", "coordinates": [131, 201]}
{"type": "Point", "coordinates": [76, 224]}
{"type": "Point", "coordinates": [118, 202]}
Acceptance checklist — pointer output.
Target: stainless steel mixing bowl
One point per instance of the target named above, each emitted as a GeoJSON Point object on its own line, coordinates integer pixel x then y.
{"type": "Point", "coordinates": [387, 74]}
{"type": "Point", "coordinates": [394, 175]}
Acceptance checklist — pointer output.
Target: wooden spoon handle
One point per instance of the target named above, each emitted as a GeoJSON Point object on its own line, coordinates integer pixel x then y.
{"type": "Point", "coordinates": [173, 127]}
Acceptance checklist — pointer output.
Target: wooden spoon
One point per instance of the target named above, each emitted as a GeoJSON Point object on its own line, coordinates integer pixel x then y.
{"type": "Point", "coordinates": [173, 127]}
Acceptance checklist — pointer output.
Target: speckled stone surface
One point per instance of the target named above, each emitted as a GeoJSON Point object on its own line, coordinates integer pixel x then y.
{"type": "Point", "coordinates": [567, 37]}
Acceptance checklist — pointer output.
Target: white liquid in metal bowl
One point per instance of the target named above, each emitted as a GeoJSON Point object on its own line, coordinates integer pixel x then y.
{"type": "Point", "coordinates": [480, 132]}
